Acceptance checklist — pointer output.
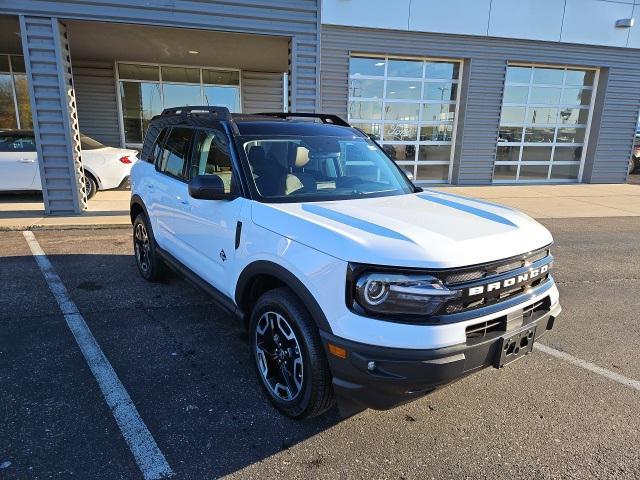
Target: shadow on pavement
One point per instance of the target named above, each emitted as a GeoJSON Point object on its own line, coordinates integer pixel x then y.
{"type": "Point", "coordinates": [185, 364]}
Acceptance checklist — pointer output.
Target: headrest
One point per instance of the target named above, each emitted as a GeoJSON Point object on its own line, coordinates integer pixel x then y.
{"type": "Point", "coordinates": [302, 157]}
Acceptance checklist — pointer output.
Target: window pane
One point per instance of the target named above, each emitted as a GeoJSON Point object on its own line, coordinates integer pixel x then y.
{"type": "Point", "coordinates": [570, 135]}
{"type": "Point", "coordinates": [436, 112]}
{"type": "Point", "coordinates": [17, 64]}
{"type": "Point", "coordinates": [545, 95]}
{"type": "Point", "coordinates": [404, 90]}
{"type": "Point", "coordinates": [24, 105]}
{"type": "Point", "coordinates": [512, 115]}
{"type": "Point", "coordinates": [365, 110]}
{"type": "Point", "coordinates": [366, 88]}
{"type": "Point", "coordinates": [4, 63]}
{"type": "Point", "coordinates": [220, 77]}
{"type": "Point", "coordinates": [542, 115]}
{"type": "Point", "coordinates": [138, 72]}
{"type": "Point", "coordinates": [548, 76]}
{"type": "Point", "coordinates": [541, 135]}
{"type": "Point", "coordinates": [17, 143]}
{"type": "Point", "coordinates": [212, 157]}
{"type": "Point", "coordinates": [513, 94]}
{"type": "Point", "coordinates": [567, 154]}
{"type": "Point", "coordinates": [401, 152]}
{"type": "Point", "coordinates": [444, 70]}
{"type": "Point", "coordinates": [436, 133]}
{"type": "Point", "coordinates": [505, 172]}
{"type": "Point", "coordinates": [510, 134]}
{"type": "Point", "coordinates": [175, 150]}
{"type": "Point", "coordinates": [434, 152]}
{"type": "Point", "coordinates": [7, 107]}
{"type": "Point", "coordinates": [405, 68]}
{"type": "Point", "coordinates": [370, 129]}
{"type": "Point", "coordinates": [179, 95]}
{"type": "Point", "coordinates": [140, 102]}
{"type": "Point", "coordinates": [432, 172]}
{"type": "Point", "coordinates": [401, 111]}
{"type": "Point", "coordinates": [399, 132]}
{"type": "Point", "coordinates": [507, 153]}
{"type": "Point", "coordinates": [518, 74]}
{"type": "Point", "coordinates": [536, 154]}
{"type": "Point", "coordinates": [565, 172]}
{"type": "Point", "coordinates": [440, 91]}
{"type": "Point", "coordinates": [181, 74]}
{"type": "Point", "coordinates": [583, 78]}
{"type": "Point", "coordinates": [366, 66]}
{"type": "Point", "coordinates": [574, 116]}
{"type": "Point", "coordinates": [223, 97]}
{"type": "Point", "coordinates": [576, 96]}
{"type": "Point", "coordinates": [533, 172]}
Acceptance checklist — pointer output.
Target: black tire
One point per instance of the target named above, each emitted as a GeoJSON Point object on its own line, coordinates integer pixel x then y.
{"type": "Point", "coordinates": [90, 185]}
{"type": "Point", "coordinates": [314, 395]}
{"type": "Point", "coordinates": [149, 263]}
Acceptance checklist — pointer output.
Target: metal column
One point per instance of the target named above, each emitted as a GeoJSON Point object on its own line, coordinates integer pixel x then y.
{"type": "Point", "coordinates": [55, 120]}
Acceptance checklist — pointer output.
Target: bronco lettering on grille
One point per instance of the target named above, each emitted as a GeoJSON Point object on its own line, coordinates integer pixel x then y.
{"type": "Point", "coordinates": [508, 282]}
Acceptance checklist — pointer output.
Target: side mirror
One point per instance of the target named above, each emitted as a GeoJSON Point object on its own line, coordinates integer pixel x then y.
{"type": "Point", "coordinates": [409, 174]}
{"type": "Point", "coordinates": [208, 187]}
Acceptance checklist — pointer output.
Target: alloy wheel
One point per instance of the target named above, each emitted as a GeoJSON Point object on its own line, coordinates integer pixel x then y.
{"type": "Point", "coordinates": [279, 356]}
{"type": "Point", "coordinates": [142, 247]}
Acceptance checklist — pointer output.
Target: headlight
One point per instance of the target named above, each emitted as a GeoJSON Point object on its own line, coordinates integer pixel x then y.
{"type": "Point", "coordinates": [382, 293]}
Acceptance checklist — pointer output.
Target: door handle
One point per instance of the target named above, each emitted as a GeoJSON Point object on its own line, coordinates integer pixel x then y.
{"type": "Point", "coordinates": [27, 160]}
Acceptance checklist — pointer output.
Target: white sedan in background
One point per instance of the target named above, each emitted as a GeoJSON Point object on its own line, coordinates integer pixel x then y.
{"type": "Point", "coordinates": [104, 167]}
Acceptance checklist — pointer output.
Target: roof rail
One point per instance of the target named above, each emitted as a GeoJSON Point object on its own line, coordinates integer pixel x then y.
{"type": "Point", "coordinates": [325, 117]}
{"type": "Point", "coordinates": [222, 112]}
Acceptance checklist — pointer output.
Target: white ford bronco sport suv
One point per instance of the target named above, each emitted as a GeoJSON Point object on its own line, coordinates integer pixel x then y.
{"type": "Point", "coordinates": [356, 286]}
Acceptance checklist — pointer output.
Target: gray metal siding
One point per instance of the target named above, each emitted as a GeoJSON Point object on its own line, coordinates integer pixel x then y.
{"type": "Point", "coordinates": [262, 92]}
{"type": "Point", "coordinates": [488, 58]}
{"type": "Point", "coordinates": [291, 18]}
{"type": "Point", "coordinates": [97, 103]}
{"type": "Point", "coordinates": [47, 59]}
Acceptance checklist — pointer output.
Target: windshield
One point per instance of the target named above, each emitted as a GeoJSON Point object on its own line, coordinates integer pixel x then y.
{"type": "Point", "coordinates": [88, 143]}
{"type": "Point", "coordinates": [311, 168]}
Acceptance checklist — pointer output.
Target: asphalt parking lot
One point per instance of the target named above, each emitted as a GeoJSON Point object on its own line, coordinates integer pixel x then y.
{"type": "Point", "coordinates": [186, 367]}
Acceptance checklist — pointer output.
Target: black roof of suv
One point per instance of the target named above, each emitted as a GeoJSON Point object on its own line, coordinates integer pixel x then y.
{"type": "Point", "coordinates": [277, 123]}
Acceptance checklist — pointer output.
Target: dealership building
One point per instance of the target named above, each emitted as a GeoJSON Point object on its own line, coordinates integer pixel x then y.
{"type": "Point", "coordinates": [464, 92]}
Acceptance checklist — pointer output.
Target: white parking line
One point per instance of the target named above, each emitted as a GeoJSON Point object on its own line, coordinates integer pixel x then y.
{"type": "Point", "coordinates": [148, 456]}
{"type": "Point", "coordinates": [616, 377]}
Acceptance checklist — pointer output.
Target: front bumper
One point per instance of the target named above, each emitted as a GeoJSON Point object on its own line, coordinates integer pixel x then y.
{"type": "Point", "coordinates": [401, 375]}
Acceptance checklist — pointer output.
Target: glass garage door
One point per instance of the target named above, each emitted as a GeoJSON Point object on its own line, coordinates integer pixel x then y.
{"type": "Point", "coordinates": [544, 124]}
{"type": "Point", "coordinates": [409, 106]}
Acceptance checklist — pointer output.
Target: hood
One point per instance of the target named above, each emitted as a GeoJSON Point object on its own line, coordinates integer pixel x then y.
{"type": "Point", "coordinates": [427, 230]}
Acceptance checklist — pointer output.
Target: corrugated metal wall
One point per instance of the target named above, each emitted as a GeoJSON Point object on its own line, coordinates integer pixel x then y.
{"type": "Point", "coordinates": [262, 92]}
{"type": "Point", "coordinates": [53, 105]}
{"type": "Point", "coordinates": [292, 18]}
{"type": "Point", "coordinates": [610, 145]}
{"type": "Point", "coordinates": [97, 103]}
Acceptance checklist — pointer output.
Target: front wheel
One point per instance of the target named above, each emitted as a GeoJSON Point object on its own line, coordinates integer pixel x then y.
{"type": "Point", "coordinates": [288, 355]}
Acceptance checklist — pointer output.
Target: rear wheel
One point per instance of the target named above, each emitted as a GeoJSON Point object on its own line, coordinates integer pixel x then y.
{"type": "Point", "coordinates": [288, 355]}
{"type": "Point", "coordinates": [90, 185]}
{"type": "Point", "coordinates": [144, 246]}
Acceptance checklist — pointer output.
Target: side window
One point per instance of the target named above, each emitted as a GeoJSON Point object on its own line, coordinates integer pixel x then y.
{"type": "Point", "coordinates": [158, 147]}
{"type": "Point", "coordinates": [212, 157]}
{"type": "Point", "coordinates": [176, 152]}
{"type": "Point", "coordinates": [17, 143]}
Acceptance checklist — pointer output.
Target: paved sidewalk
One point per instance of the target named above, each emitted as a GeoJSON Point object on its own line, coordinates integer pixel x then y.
{"type": "Point", "coordinates": [111, 208]}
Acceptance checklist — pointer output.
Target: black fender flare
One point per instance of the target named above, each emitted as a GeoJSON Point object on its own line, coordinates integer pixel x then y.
{"type": "Point", "coordinates": [265, 267]}
{"type": "Point", "coordinates": [136, 200]}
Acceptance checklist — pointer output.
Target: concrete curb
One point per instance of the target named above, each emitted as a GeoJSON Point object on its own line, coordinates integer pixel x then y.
{"type": "Point", "coordinates": [102, 226]}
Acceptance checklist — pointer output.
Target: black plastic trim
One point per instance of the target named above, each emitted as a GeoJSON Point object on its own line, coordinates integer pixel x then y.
{"type": "Point", "coordinates": [238, 233]}
{"type": "Point", "coordinates": [264, 267]}
{"type": "Point", "coordinates": [220, 298]}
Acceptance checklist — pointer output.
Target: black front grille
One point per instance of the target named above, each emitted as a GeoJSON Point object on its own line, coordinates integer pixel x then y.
{"type": "Point", "coordinates": [478, 283]}
{"type": "Point", "coordinates": [478, 272]}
